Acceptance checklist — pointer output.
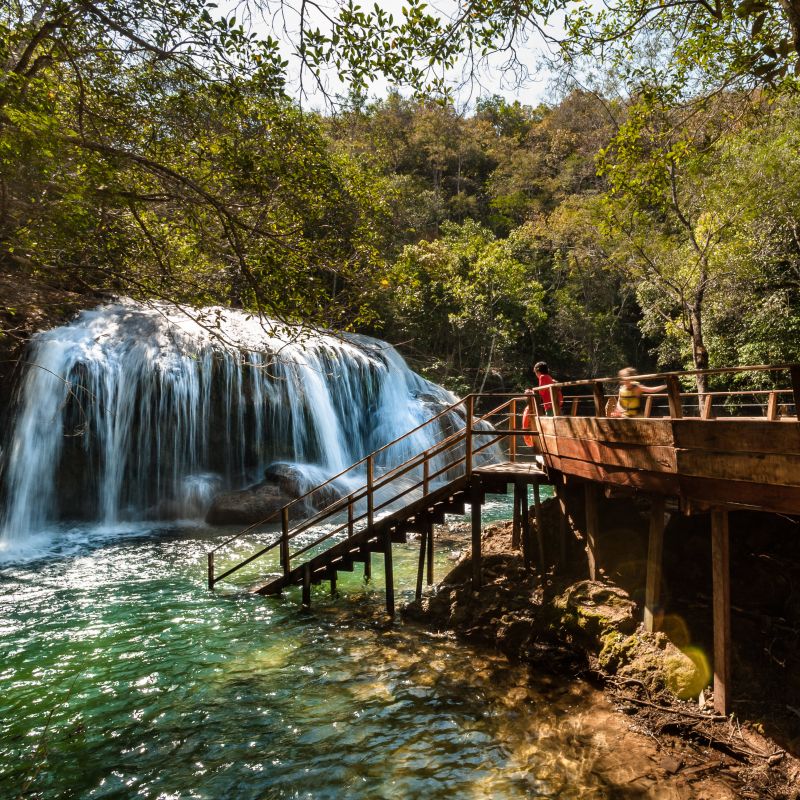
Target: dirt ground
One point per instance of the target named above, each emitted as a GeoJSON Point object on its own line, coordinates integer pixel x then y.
{"type": "Point", "coordinates": [691, 751]}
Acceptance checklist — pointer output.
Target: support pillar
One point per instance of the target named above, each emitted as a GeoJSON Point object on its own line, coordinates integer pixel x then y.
{"type": "Point", "coordinates": [475, 502]}
{"type": "Point", "coordinates": [537, 504]}
{"type": "Point", "coordinates": [652, 592]}
{"type": "Point", "coordinates": [592, 527]}
{"type": "Point", "coordinates": [560, 491]}
{"type": "Point", "coordinates": [423, 547]}
{"type": "Point", "coordinates": [720, 570]}
{"type": "Point", "coordinates": [430, 553]}
{"type": "Point", "coordinates": [526, 524]}
{"type": "Point", "coordinates": [389, 571]}
{"type": "Point", "coordinates": [517, 523]}
{"type": "Point", "coordinates": [306, 597]}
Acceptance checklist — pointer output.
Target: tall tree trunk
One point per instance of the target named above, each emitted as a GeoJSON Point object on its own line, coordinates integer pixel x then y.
{"type": "Point", "coordinates": [699, 352]}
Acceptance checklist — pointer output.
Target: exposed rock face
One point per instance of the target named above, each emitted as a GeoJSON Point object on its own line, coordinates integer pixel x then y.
{"type": "Point", "coordinates": [583, 622]}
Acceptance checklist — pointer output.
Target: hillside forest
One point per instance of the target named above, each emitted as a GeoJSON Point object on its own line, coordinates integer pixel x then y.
{"type": "Point", "coordinates": [643, 217]}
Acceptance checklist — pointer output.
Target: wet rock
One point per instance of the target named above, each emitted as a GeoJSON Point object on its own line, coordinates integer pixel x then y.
{"type": "Point", "coordinates": [249, 505]}
{"type": "Point", "coordinates": [597, 608]}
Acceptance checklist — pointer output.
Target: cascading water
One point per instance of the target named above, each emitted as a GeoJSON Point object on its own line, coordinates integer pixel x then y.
{"type": "Point", "coordinates": [135, 411]}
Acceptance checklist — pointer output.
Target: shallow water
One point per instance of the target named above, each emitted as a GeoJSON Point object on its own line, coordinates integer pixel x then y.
{"type": "Point", "coordinates": [124, 677]}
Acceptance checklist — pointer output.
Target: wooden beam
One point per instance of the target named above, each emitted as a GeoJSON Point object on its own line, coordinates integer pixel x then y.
{"type": "Point", "coordinates": [306, 596]}
{"type": "Point", "coordinates": [652, 593]}
{"type": "Point", "coordinates": [525, 522]}
{"type": "Point", "coordinates": [423, 546]}
{"type": "Point", "coordinates": [562, 522]}
{"type": "Point", "coordinates": [720, 569]}
{"type": "Point", "coordinates": [776, 469]}
{"type": "Point", "coordinates": [475, 502]}
{"type": "Point", "coordinates": [430, 553]}
{"type": "Point", "coordinates": [387, 560]}
{"type": "Point", "coordinates": [629, 430]}
{"type": "Point", "coordinates": [794, 371]}
{"type": "Point", "coordinates": [674, 397]}
{"type": "Point", "coordinates": [539, 532]}
{"type": "Point", "coordinates": [708, 407]}
{"type": "Point", "coordinates": [739, 435]}
{"type": "Point", "coordinates": [516, 525]}
{"type": "Point", "coordinates": [592, 527]}
{"type": "Point", "coordinates": [772, 406]}
{"type": "Point", "coordinates": [599, 399]}
{"type": "Point", "coordinates": [333, 584]}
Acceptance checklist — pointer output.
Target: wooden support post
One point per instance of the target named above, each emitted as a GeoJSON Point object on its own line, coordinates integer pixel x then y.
{"type": "Point", "coordinates": [562, 522]}
{"type": "Point", "coordinates": [526, 525]}
{"type": "Point", "coordinates": [475, 502]}
{"type": "Point", "coordinates": [306, 601]}
{"type": "Point", "coordinates": [426, 471]}
{"type": "Point", "coordinates": [350, 517]}
{"type": "Point", "coordinates": [652, 592]}
{"type": "Point", "coordinates": [599, 399]}
{"type": "Point", "coordinates": [367, 563]}
{"type": "Point", "coordinates": [674, 397]}
{"type": "Point", "coordinates": [423, 546]}
{"type": "Point", "coordinates": [772, 406]}
{"type": "Point", "coordinates": [720, 569]}
{"type": "Point", "coordinates": [333, 584]}
{"type": "Point", "coordinates": [592, 527]}
{"type": "Point", "coordinates": [574, 410]}
{"type": "Point", "coordinates": [370, 497]}
{"type": "Point", "coordinates": [468, 439]}
{"type": "Point", "coordinates": [285, 540]}
{"type": "Point", "coordinates": [794, 371]}
{"type": "Point", "coordinates": [537, 504]}
{"type": "Point", "coordinates": [387, 559]}
{"type": "Point", "coordinates": [512, 424]}
{"type": "Point", "coordinates": [430, 553]}
{"type": "Point", "coordinates": [211, 571]}
{"type": "Point", "coordinates": [708, 407]}
{"type": "Point", "coordinates": [648, 406]}
{"type": "Point", "coordinates": [517, 523]}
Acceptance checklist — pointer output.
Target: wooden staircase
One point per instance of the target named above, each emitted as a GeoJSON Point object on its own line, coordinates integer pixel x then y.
{"type": "Point", "coordinates": [408, 498]}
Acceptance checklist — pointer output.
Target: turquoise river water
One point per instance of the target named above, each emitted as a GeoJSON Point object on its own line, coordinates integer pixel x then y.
{"type": "Point", "coordinates": [123, 676]}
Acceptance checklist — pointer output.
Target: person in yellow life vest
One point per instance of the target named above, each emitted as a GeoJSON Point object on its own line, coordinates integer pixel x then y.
{"type": "Point", "coordinates": [629, 400]}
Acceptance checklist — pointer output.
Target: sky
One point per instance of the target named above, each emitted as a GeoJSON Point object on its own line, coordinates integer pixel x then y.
{"type": "Point", "coordinates": [494, 79]}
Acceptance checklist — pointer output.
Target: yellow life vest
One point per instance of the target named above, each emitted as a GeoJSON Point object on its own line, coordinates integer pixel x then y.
{"type": "Point", "coordinates": [629, 399]}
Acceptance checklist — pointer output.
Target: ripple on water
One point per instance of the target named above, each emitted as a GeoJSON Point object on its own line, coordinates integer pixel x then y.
{"type": "Point", "coordinates": [124, 677]}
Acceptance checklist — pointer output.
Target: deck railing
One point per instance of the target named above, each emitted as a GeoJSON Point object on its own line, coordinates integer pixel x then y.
{"type": "Point", "coordinates": [489, 432]}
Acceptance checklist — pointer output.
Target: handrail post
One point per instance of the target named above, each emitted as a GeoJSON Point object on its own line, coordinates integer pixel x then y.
{"type": "Point", "coordinates": [370, 497]}
{"type": "Point", "coordinates": [599, 399]}
{"type": "Point", "coordinates": [794, 371]}
{"type": "Point", "coordinates": [285, 539]}
{"type": "Point", "coordinates": [425, 473]}
{"type": "Point", "coordinates": [470, 414]}
{"type": "Point", "coordinates": [211, 570]}
{"type": "Point", "coordinates": [674, 397]}
{"type": "Point", "coordinates": [350, 516]}
{"type": "Point", "coordinates": [512, 446]}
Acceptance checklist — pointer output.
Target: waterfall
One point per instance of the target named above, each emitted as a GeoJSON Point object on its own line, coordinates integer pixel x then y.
{"type": "Point", "coordinates": [136, 411]}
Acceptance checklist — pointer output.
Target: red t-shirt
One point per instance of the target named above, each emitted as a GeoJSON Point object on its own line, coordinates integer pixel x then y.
{"type": "Point", "coordinates": [547, 397]}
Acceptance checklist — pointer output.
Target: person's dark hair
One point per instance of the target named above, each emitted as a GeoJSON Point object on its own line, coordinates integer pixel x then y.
{"type": "Point", "coordinates": [541, 366]}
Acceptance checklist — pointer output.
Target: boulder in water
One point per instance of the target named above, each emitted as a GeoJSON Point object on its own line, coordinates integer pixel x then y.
{"type": "Point", "coordinates": [249, 505]}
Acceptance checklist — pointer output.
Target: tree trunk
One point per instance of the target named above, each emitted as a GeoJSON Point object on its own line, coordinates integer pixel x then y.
{"type": "Point", "coordinates": [699, 352]}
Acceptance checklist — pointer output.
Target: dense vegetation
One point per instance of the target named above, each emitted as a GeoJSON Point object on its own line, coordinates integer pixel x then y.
{"type": "Point", "coordinates": [654, 222]}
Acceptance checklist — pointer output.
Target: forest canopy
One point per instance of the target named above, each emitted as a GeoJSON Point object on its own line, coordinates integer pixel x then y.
{"type": "Point", "coordinates": [158, 150]}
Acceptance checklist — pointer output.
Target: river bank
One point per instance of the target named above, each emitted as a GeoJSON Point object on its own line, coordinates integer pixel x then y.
{"type": "Point", "coordinates": [659, 688]}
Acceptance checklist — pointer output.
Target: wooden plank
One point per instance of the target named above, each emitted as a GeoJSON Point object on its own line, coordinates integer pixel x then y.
{"type": "Point", "coordinates": [774, 469]}
{"type": "Point", "coordinates": [592, 527]}
{"type": "Point", "coordinates": [624, 430]}
{"type": "Point", "coordinates": [652, 592]}
{"type": "Point", "coordinates": [739, 435]}
{"type": "Point", "coordinates": [720, 569]}
{"type": "Point", "coordinates": [740, 494]}
{"type": "Point", "coordinates": [658, 482]}
{"type": "Point", "coordinates": [656, 458]}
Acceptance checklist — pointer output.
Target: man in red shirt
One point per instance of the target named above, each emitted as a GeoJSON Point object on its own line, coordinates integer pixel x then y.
{"type": "Point", "coordinates": [542, 372]}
